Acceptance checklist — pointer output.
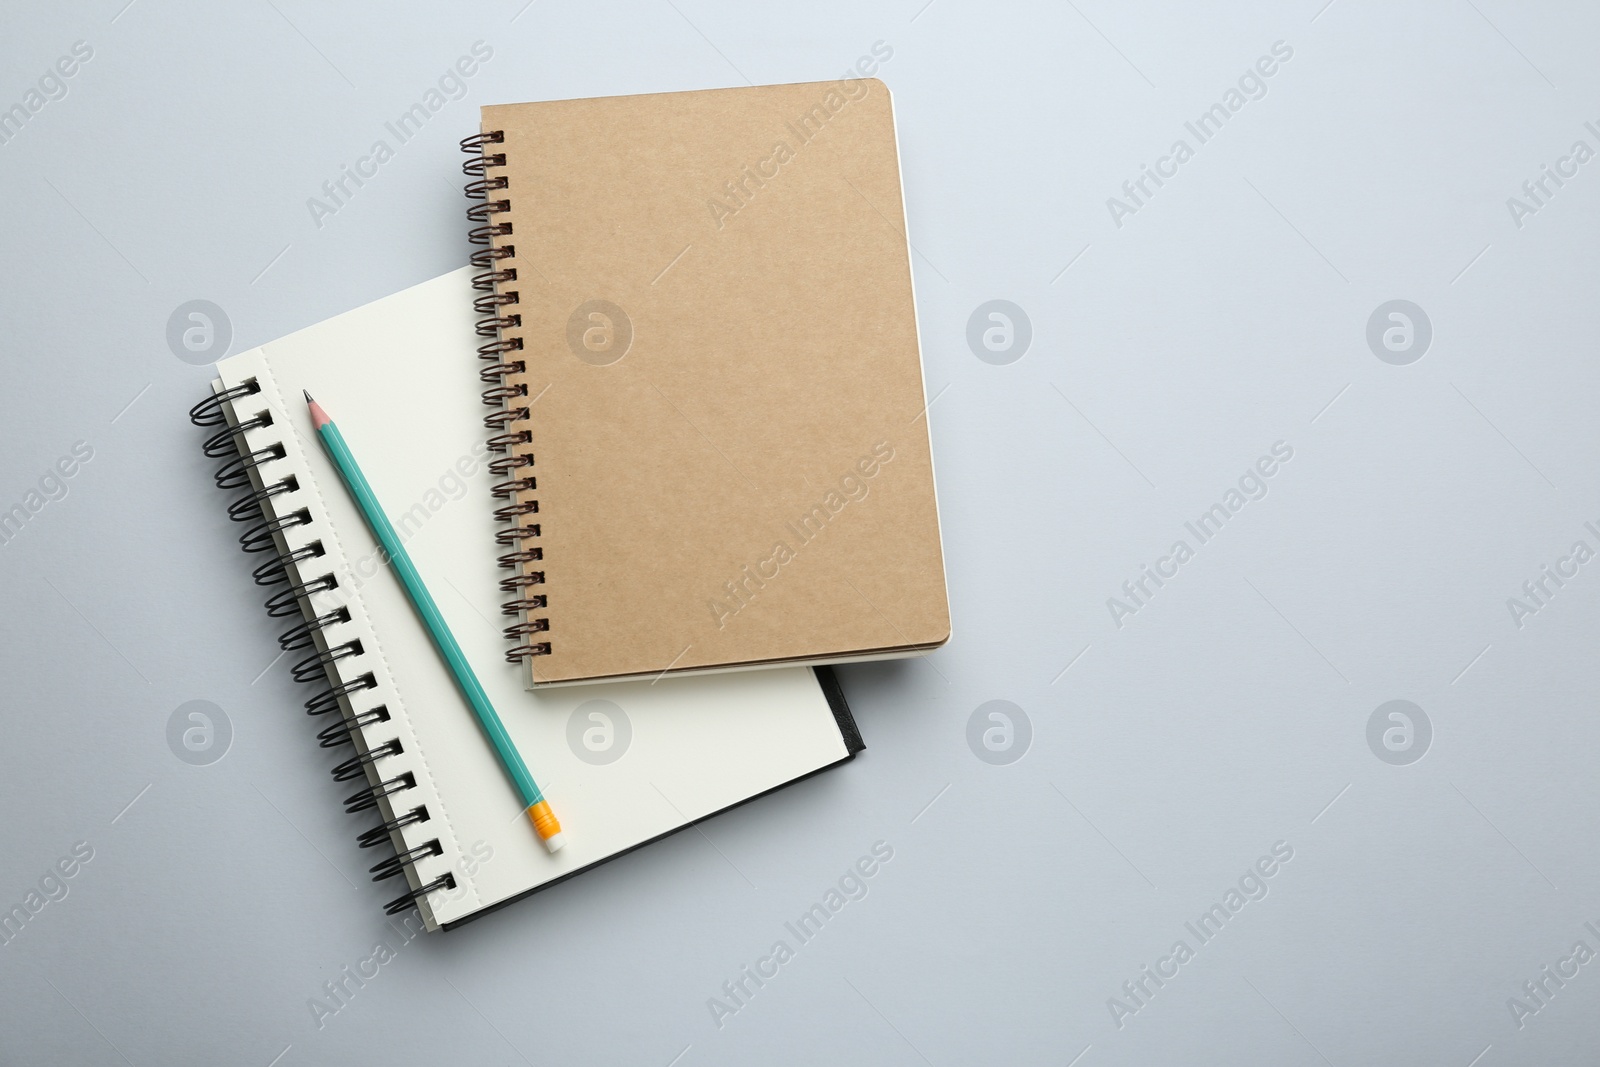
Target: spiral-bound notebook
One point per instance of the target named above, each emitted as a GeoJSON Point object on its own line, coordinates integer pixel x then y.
{"type": "Point", "coordinates": [703, 352]}
{"type": "Point", "coordinates": [623, 764]}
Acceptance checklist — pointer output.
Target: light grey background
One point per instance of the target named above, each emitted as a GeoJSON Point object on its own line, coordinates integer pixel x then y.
{"type": "Point", "coordinates": [1227, 313]}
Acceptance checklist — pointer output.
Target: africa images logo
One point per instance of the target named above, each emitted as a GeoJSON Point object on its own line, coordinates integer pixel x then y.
{"type": "Point", "coordinates": [1251, 85]}
{"type": "Point", "coordinates": [52, 85]}
{"type": "Point", "coordinates": [852, 885]}
{"type": "Point", "coordinates": [599, 332]}
{"type": "Point", "coordinates": [1252, 885]}
{"type": "Point", "coordinates": [51, 486]}
{"type": "Point", "coordinates": [738, 192]}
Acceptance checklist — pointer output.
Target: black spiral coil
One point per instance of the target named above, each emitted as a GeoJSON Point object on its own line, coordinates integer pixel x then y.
{"type": "Point", "coordinates": [249, 506]}
{"type": "Point", "coordinates": [285, 566]}
{"type": "Point", "coordinates": [339, 733]}
{"type": "Point", "coordinates": [492, 304]}
{"type": "Point", "coordinates": [276, 569]}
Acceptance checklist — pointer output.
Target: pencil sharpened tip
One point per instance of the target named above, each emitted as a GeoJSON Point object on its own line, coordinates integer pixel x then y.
{"type": "Point", "coordinates": [319, 418]}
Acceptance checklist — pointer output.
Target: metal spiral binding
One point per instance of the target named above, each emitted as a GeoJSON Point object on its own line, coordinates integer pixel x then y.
{"type": "Point", "coordinates": [363, 799]}
{"type": "Point", "coordinates": [259, 538]}
{"type": "Point", "coordinates": [339, 733]}
{"type": "Point", "coordinates": [276, 569]}
{"type": "Point", "coordinates": [287, 601]}
{"type": "Point", "coordinates": [303, 635]}
{"type": "Point", "coordinates": [223, 444]}
{"type": "Point", "coordinates": [285, 566]}
{"type": "Point", "coordinates": [248, 506]}
{"type": "Point", "coordinates": [356, 766]}
{"type": "Point", "coordinates": [309, 668]}
{"type": "Point", "coordinates": [328, 699]}
{"type": "Point", "coordinates": [401, 904]}
{"type": "Point", "coordinates": [379, 834]}
{"type": "Point", "coordinates": [496, 352]}
{"type": "Point", "coordinates": [396, 864]}
{"type": "Point", "coordinates": [235, 474]}
{"type": "Point", "coordinates": [210, 411]}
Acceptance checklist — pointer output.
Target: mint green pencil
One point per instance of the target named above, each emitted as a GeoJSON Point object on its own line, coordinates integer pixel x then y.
{"type": "Point", "coordinates": [544, 820]}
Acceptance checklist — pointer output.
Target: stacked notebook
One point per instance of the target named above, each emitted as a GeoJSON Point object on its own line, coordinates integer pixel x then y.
{"type": "Point", "coordinates": [700, 448]}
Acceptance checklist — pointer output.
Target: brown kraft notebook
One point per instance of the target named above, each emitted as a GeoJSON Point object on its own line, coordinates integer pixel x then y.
{"type": "Point", "coordinates": [707, 403]}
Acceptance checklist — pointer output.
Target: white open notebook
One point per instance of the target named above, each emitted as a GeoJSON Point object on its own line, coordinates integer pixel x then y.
{"type": "Point", "coordinates": [399, 377]}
